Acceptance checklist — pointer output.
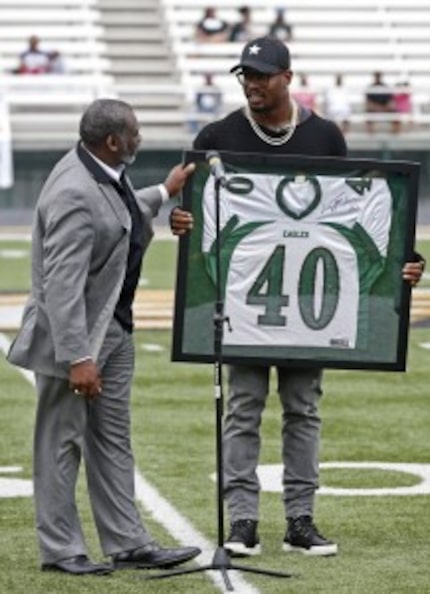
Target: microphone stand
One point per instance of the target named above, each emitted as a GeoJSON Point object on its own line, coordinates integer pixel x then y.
{"type": "Point", "coordinates": [221, 560]}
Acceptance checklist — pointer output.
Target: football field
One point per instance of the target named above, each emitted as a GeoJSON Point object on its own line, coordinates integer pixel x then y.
{"type": "Point", "coordinates": [374, 499]}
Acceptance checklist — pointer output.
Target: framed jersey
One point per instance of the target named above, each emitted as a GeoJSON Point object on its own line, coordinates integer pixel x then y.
{"type": "Point", "coordinates": [305, 255]}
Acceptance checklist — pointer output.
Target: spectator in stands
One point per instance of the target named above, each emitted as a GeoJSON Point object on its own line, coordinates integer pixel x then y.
{"type": "Point", "coordinates": [304, 94]}
{"type": "Point", "coordinates": [56, 63]}
{"type": "Point", "coordinates": [281, 28]}
{"type": "Point", "coordinates": [207, 103]}
{"type": "Point", "coordinates": [337, 104]}
{"type": "Point", "coordinates": [379, 99]}
{"type": "Point", "coordinates": [210, 28]}
{"type": "Point", "coordinates": [403, 103]}
{"type": "Point", "coordinates": [34, 60]}
{"type": "Point", "coordinates": [242, 30]}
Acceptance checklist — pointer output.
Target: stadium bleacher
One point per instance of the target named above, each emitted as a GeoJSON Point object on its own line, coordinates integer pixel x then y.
{"type": "Point", "coordinates": [354, 38]}
{"type": "Point", "coordinates": [44, 108]}
{"type": "Point", "coordinates": [98, 40]}
{"type": "Point", "coordinates": [143, 51]}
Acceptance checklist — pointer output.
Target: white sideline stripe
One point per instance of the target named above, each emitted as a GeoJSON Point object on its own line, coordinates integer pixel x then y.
{"type": "Point", "coordinates": [182, 530]}
{"type": "Point", "coordinates": [166, 515]}
{"type": "Point", "coordinates": [10, 469]}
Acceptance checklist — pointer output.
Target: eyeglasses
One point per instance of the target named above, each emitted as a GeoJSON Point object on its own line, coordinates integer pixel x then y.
{"type": "Point", "coordinates": [261, 78]}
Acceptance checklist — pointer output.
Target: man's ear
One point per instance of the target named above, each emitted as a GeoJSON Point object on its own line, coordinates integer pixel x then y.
{"type": "Point", "coordinates": [112, 143]}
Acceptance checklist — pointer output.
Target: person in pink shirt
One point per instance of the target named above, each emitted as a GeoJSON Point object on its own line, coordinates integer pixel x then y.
{"type": "Point", "coordinates": [402, 100]}
{"type": "Point", "coordinates": [304, 95]}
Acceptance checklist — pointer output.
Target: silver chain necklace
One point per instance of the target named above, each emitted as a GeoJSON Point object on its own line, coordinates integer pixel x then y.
{"type": "Point", "coordinates": [274, 140]}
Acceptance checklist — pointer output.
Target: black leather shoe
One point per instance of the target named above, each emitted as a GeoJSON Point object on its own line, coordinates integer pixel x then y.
{"type": "Point", "coordinates": [79, 565]}
{"type": "Point", "coordinates": [152, 555]}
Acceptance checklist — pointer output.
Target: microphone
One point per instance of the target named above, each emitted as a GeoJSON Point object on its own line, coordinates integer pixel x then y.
{"type": "Point", "coordinates": [217, 168]}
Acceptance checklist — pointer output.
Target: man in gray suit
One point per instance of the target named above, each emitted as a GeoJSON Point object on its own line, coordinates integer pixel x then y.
{"type": "Point", "coordinates": [90, 232]}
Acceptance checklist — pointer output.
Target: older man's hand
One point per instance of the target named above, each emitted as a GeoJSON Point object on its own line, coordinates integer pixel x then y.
{"type": "Point", "coordinates": [85, 379]}
{"type": "Point", "coordinates": [177, 177]}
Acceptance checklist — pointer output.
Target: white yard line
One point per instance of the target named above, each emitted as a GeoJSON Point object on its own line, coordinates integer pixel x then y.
{"type": "Point", "coordinates": [166, 515]}
{"type": "Point", "coordinates": [182, 530]}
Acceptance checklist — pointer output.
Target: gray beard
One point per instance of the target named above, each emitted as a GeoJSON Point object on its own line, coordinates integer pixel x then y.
{"type": "Point", "coordinates": [129, 159]}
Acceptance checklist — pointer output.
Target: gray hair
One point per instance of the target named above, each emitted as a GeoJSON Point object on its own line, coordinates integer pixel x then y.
{"type": "Point", "coordinates": [102, 118]}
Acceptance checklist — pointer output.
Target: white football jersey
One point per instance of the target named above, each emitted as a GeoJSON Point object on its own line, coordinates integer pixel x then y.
{"type": "Point", "coordinates": [301, 256]}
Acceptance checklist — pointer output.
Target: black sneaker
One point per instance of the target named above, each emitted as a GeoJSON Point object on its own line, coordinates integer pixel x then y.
{"type": "Point", "coordinates": [303, 536]}
{"type": "Point", "coordinates": [243, 539]}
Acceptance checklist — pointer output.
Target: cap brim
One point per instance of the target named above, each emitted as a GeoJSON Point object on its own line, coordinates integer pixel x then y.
{"type": "Point", "coordinates": [256, 65]}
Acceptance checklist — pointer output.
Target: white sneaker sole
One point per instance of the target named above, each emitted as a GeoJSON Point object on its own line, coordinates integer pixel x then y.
{"type": "Point", "coordinates": [238, 549]}
{"type": "Point", "coordinates": [321, 551]}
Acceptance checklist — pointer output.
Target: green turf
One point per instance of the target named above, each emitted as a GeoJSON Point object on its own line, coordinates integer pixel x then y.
{"type": "Point", "coordinates": [14, 266]}
{"type": "Point", "coordinates": [368, 416]}
{"type": "Point", "coordinates": [159, 269]}
{"type": "Point", "coordinates": [384, 544]}
{"type": "Point", "coordinates": [158, 272]}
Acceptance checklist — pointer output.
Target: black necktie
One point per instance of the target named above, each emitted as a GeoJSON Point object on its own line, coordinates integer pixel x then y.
{"type": "Point", "coordinates": [123, 190]}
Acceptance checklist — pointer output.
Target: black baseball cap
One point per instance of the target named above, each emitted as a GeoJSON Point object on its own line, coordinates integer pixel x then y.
{"type": "Point", "coordinates": [264, 54]}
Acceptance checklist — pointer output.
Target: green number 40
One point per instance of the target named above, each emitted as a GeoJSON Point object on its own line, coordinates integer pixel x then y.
{"type": "Point", "coordinates": [267, 290]}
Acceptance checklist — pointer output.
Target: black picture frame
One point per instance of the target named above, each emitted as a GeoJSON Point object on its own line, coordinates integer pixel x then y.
{"type": "Point", "coordinates": [348, 199]}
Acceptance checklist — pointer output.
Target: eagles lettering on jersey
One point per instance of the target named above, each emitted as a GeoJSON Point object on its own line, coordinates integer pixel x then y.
{"type": "Point", "coordinates": [299, 256]}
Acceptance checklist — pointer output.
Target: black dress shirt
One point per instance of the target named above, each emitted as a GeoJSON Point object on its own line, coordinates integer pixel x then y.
{"type": "Point", "coordinates": [123, 310]}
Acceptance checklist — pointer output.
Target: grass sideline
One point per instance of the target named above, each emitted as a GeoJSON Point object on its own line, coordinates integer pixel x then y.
{"type": "Point", "coordinates": [367, 416]}
{"type": "Point", "coordinates": [158, 272]}
{"type": "Point", "coordinates": [384, 544]}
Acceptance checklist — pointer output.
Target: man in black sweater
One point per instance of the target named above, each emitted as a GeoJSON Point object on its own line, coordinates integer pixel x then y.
{"type": "Point", "coordinates": [273, 123]}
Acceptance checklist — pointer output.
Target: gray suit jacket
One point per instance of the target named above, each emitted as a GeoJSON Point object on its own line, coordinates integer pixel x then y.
{"type": "Point", "coordinates": [80, 243]}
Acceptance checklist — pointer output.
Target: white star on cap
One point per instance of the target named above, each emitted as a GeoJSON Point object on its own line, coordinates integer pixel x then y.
{"type": "Point", "coordinates": [254, 49]}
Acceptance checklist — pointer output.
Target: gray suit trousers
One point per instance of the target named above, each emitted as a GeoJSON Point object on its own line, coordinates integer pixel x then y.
{"type": "Point", "coordinates": [299, 393]}
{"type": "Point", "coordinates": [67, 425]}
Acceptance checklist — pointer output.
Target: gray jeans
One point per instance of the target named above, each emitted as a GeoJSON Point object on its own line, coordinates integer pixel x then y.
{"type": "Point", "coordinates": [299, 393]}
